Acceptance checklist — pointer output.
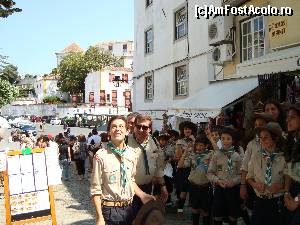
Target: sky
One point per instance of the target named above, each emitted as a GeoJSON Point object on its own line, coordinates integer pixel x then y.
{"type": "Point", "coordinates": [31, 38]}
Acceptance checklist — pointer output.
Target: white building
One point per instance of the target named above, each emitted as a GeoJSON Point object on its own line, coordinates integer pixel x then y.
{"type": "Point", "coordinates": [121, 49]}
{"type": "Point", "coordinates": [47, 86]}
{"type": "Point", "coordinates": [173, 62]}
{"type": "Point", "coordinates": [101, 90]}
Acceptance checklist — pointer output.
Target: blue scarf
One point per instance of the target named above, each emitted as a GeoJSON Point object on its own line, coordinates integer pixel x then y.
{"type": "Point", "coordinates": [119, 152]}
{"type": "Point", "coordinates": [228, 152]}
{"type": "Point", "coordinates": [199, 159]}
{"type": "Point", "coordinates": [269, 158]}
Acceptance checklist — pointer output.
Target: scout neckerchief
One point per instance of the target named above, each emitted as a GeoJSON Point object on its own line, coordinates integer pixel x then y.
{"type": "Point", "coordinates": [199, 159]}
{"type": "Point", "coordinates": [269, 161]}
{"type": "Point", "coordinates": [120, 152]}
{"type": "Point", "coordinates": [143, 147]}
{"type": "Point", "coordinates": [228, 152]}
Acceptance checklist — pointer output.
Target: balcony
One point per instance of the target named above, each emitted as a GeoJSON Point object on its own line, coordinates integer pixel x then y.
{"type": "Point", "coordinates": [233, 3]}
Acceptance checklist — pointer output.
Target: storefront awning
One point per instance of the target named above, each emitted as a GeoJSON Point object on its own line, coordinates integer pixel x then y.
{"type": "Point", "coordinates": [209, 101]}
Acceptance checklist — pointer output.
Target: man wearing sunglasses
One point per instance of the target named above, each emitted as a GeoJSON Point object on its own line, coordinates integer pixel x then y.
{"type": "Point", "coordinates": [150, 162]}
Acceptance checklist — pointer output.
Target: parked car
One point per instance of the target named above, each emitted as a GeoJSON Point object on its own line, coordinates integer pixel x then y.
{"type": "Point", "coordinates": [70, 121]}
{"type": "Point", "coordinates": [55, 121]}
{"type": "Point", "coordinates": [28, 129]}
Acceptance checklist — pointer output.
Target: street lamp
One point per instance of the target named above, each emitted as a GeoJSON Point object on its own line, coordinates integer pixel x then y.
{"type": "Point", "coordinates": [117, 80]}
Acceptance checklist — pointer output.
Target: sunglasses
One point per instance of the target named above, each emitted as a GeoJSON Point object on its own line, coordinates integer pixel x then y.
{"type": "Point", "coordinates": [144, 127]}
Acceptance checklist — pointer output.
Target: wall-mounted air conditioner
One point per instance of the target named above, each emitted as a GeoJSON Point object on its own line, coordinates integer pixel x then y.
{"type": "Point", "coordinates": [219, 30]}
{"type": "Point", "coordinates": [221, 54]}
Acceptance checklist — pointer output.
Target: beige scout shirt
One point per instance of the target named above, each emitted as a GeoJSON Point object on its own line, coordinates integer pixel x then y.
{"type": "Point", "coordinates": [198, 174]}
{"type": "Point", "coordinates": [257, 169]}
{"type": "Point", "coordinates": [105, 179]}
{"type": "Point", "coordinates": [155, 158]}
{"type": "Point", "coordinates": [253, 146]}
{"type": "Point", "coordinates": [218, 168]}
{"type": "Point", "coordinates": [181, 146]}
{"type": "Point", "coordinates": [293, 171]}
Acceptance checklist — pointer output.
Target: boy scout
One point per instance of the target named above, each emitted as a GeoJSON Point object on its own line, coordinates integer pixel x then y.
{"type": "Point", "coordinates": [265, 175]}
{"type": "Point", "coordinates": [112, 182]}
{"type": "Point", "coordinates": [150, 159]}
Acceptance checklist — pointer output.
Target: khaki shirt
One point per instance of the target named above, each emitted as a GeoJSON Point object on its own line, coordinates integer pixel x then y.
{"type": "Point", "coordinates": [257, 169]}
{"type": "Point", "coordinates": [218, 170]}
{"type": "Point", "coordinates": [198, 174]}
{"type": "Point", "coordinates": [253, 146]}
{"type": "Point", "coordinates": [106, 175]}
{"type": "Point", "coordinates": [155, 158]}
{"type": "Point", "coordinates": [293, 171]}
{"type": "Point", "coordinates": [181, 146]}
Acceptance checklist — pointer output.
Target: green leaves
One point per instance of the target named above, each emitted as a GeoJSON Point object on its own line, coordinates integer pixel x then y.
{"type": "Point", "coordinates": [8, 92]}
{"type": "Point", "coordinates": [74, 68]}
{"type": "Point", "coordinates": [52, 99]}
{"type": "Point", "coordinates": [7, 8]}
{"type": "Point", "coordinates": [10, 73]}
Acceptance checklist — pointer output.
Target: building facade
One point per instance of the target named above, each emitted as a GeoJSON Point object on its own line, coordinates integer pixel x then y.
{"type": "Point", "coordinates": [72, 48]}
{"type": "Point", "coordinates": [121, 49]}
{"type": "Point", "coordinates": [110, 88]}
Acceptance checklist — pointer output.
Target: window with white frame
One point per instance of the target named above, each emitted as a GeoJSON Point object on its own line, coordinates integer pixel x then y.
{"type": "Point", "coordinates": [181, 81]}
{"type": "Point", "coordinates": [149, 41]}
{"type": "Point", "coordinates": [149, 87]}
{"type": "Point", "coordinates": [180, 23]}
{"type": "Point", "coordinates": [253, 38]}
{"type": "Point", "coordinates": [148, 2]}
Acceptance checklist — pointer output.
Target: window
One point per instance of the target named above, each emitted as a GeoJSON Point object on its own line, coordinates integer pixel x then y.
{"type": "Point", "coordinates": [181, 81]}
{"type": "Point", "coordinates": [180, 23]}
{"type": "Point", "coordinates": [110, 48]}
{"type": "Point", "coordinates": [253, 38]}
{"type": "Point", "coordinates": [149, 41]}
{"type": "Point", "coordinates": [149, 87]}
{"type": "Point", "coordinates": [148, 2]}
{"type": "Point", "coordinates": [125, 48]}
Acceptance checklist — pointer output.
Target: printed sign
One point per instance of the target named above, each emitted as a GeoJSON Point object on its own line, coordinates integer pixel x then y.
{"type": "Point", "coordinates": [278, 29]}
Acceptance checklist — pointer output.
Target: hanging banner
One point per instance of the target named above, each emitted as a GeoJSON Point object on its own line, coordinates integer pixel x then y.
{"type": "Point", "coordinates": [102, 98]}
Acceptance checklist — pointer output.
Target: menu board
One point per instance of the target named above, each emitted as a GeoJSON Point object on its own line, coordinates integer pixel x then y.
{"type": "Point", "coordinates": [28, 184]}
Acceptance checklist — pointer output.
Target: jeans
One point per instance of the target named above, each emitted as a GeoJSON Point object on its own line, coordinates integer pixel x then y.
{"type": "Point", "coordinates": [65, 167]}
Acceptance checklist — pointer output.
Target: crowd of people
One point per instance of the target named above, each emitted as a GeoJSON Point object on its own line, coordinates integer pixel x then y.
{"type": "Point", "coordinates": [223, 177]}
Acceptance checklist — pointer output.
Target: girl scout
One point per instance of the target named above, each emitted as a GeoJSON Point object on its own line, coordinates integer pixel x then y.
{"type": "Point", "coordinates": [292, 184]}
{"type": "Point", "coordinates": [112, 182]}
{"type": "Point", "coordinates": [200, 188]}
{"type": "Point", "coordinates": [224, 172]}
{"type": "Point", "coordinates": [265, 175]}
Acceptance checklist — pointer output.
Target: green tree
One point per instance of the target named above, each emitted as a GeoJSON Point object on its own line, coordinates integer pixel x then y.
{"type": "Point", "coordinates": [7, 8]}
{"type": "Point", "coordinates": [74, 68]}
{"type": "Point", "coordinates": [10, 73]}
{"type": "Point", "coordinates": [8, 92]}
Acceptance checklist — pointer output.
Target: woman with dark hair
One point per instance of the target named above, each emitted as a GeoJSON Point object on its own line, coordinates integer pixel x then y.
{"type": "Point", "coordinates": [188, 131]}
{"type": "Point", "coordinates": [274, 108]}
{"type": "Point", "coordinates": [292, 179]}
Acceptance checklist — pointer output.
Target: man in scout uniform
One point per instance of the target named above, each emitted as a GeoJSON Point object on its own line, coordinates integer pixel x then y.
{"type": "Point", "coordinates": [150, 159]}
{"type": "Point", "coordinates": [112, 182]}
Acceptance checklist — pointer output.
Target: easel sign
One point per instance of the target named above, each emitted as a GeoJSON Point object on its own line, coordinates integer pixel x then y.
{"type": "Point", "coordinates": [28, 198]}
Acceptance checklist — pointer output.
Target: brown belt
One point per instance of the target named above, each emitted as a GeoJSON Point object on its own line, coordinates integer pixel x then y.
{"type": "Point", "coordinates": [116, 203]}
{"type": "Point", "coordinates": [200, 185]}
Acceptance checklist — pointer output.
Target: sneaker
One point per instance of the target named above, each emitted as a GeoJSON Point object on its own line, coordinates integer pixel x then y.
{"type": "Point", "coordinates": [179, 210]}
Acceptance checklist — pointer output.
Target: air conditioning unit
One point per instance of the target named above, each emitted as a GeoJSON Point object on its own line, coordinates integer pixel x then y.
{"type": "Point", "coordinates": [219, 30]}
{"type": "Point", "coordinates": [221, 54]}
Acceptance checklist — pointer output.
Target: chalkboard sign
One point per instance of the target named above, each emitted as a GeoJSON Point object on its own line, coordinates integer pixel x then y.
{"type": "Point", "coordinates": [28, 196]}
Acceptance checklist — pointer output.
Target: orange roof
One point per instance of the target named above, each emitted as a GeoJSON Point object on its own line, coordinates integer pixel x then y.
{"type": "Point", "coordinates": [50, 77]}
{"type": "Point", "coordinates": [72, 48]}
